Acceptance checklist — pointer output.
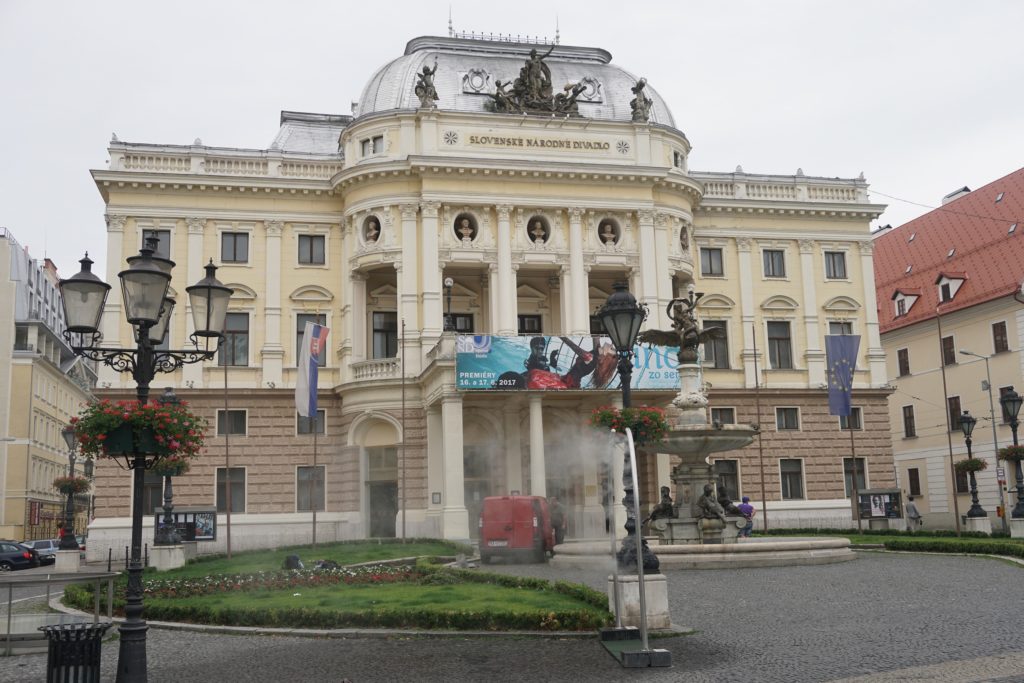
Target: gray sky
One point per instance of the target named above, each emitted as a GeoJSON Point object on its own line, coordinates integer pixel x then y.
{"type": "Point", "coordinates": [923, 97]}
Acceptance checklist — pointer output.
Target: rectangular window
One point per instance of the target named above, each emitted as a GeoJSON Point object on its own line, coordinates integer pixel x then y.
{"type": "Point", "coordinates": [837, 328]}
{"type": "Point", "coordinates": [953, 402]}
{"type": "Point", "coordinates": [909, 427]}
{"type": "Point", "coordinates": [463, 323]}
{"type": "Point", "coordinates": [854, 418]}
{"type": "Point", "coordinates": [234, 247]}
{"type": "Point", "coordinates": [948, 351]}
{"type": "Point", "coordinates": [152, 493]}
{"type": "Point", "coordinates": [835, 265]}
{"type": "Point", "coordinates": [597, 326]}
{"type": "Point", "coordinates": [903, 360]}
{"type": "Point", "coordinates": [309, 488]}
{"type": "Point", "coordinates": [945, 293]}
{"type": "Point", "coordinates": [962, 485]}
{"type": "Point", "coordinates": [791, 472]}
{"type": "Point", "coordinates": [711, 261]}
{"type": "Point", "coordinates": [723, 416]}
{"type": "Point", "coordinates": [236, 480]}
{"type": "Point", "coordinates": [300, 329]}
{"type": "Point", "coordinates": [716, 351]}
{"type": "Point", "coordinates": [1003, 391]}
{"type": "Point", "coordinates": [787, 418]}
{"type": "Point", "coordinates": [235, 350]}
{"type": "Point", "coordinates": [848, 475]}
{"type": "Point", "coordinates": [163, 247]}
{"type": "Point", "coordinates": [914, 481]}
{"type": "Point", "coordinates": [901, 307]}
{"type": "Point", "coordinates": [774, 263]}
{"type": "Point", "coordinates": [727, 474]}
{"type": "Point", "coordinates": [311, 250]}
{"type": "Point", "coordinates": [529, 324]}
{"type": "Point", "coordinates": [374, 145]}
{"type": "Point", "coordinates": [385, 334]}
{"type": "Point", "coordinates": [1000, 342]}
{"type": "Point", "coordinates": [780, 346]}
{"type": "Point", "coordinates": [230, 422]}
{"type": "Point", "coordinates": [304, 425]}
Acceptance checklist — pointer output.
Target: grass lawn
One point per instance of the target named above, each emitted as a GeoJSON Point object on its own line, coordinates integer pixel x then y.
{"type": "Point", "coordinates": [272, 560]}
{"type": "Point", "coordinates": [459, 597]}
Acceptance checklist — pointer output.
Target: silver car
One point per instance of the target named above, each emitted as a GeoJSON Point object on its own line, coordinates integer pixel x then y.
{"type": "Point", "coordinates": [47, 549]}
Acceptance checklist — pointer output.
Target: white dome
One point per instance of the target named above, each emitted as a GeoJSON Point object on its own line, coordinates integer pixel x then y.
{"type": "Point", "coordinates": [468, 68]}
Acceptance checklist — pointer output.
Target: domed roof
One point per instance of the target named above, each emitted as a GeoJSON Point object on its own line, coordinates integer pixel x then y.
{"type": "Point", "coordinates": [468, 68]}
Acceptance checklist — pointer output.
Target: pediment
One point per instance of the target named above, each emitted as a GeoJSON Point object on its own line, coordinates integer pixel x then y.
{"type": "Point", "coordinates": [716, 301]}
{"type": "Point", "coordinates": [841, 304]}
{"type": "Point", "coordinates": [241, 292]}
{"type": "Point", "coordinates": [780, 302]}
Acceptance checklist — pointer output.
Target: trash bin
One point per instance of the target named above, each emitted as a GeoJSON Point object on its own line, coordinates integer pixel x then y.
{"type": "Point", "coordinates": [74, 652]}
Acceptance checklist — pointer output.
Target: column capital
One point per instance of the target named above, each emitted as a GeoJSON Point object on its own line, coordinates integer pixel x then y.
{"type": "Point", "coordinates": [866, 247]}
{"type": "Point", "coordinates": [409, 211]}
{"type": "Point", "coordinates": [645, 216]}
{"type": "Point", "coordinates": [273, 227]}
{"type": "Point", "coordinates": [358, 276]}
{"type": "Point", "coordinates": [504, 211]}
{"type": "Point", "coordinates": [744, 243]}
{"type": "Point", "coordinates": [430, 209]}
{"type": "Point", "coordinates": [115, 222]}
{"type": "Point", "coordinates": [662, 219]}
{"type": "Point", "coordinates": [807, 246]}
{"type": "Point", "coordinates": [196, 225]}
{"type": "Point", "coordinates": [576, 213]}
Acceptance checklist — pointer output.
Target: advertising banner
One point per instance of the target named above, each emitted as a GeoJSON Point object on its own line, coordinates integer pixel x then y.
{"type": "Point", "coordinates": [557, 363]}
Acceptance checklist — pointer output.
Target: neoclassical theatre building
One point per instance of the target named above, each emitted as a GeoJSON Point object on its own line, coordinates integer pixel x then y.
{"type": "Point", "coordinates": [496, 189]}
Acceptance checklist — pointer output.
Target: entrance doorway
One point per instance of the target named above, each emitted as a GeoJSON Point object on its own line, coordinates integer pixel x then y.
{"type": "Point", "coordinates": [383, 508]}
{"type": "Point", "coordinates": [476, 471]}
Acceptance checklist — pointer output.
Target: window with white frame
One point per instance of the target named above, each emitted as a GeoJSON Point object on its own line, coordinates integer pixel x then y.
{"type": "Point", "coordinates": [716, 350]}
{"type": "Point", "coordinates": [234, 247]}
{"type": "Point", "coordinates": [791, 474]}
{"type": "Point", "coordinates": [304, 425]}
{"type": "Point", "coordinates": [235, 349]}
{"type": "Point", "coordinates": [312, 250]}
{"type": "Point", "coordinates": [309, 488]}
{"type": "Point", "coordinates": [372, 145]}
{"type": "Point", "coordinates": [300, 326]}
{"type": "Point", "coordinates": [723, 416]}
{"type": "Point", "coordinates": [840, 327]}
{"type": "Point", "coordinates": [711, 262]}
{"type": "Point", "coordinates": [855, 419]}
{"type": "Point", "coordinates": [231, 422]}
{"type": "Point", "coordinates": [163, 247]}
{"type": "Point", "coordinates": [835, 265]}
{"type": "Point", "coordinates": [787, 418]}
{"type": "Point", "coordinates": [235, 479]}
{"type": "Point", "coordinates": [774, 262]}
{"type": "Point", "coordinates": [727, 475]}
{"type": "Point", "coordinates": [862, 474]}
{"type": "Point", "coordinates": [780, 345]}
{"type": "Point", "coordinates": [385, 334]}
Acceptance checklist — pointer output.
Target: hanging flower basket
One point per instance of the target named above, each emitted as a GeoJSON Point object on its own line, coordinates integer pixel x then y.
{"type": "Point", "coordinates": [970, 465]}
{"type": "Point", "coordinates": [105, 428]}
{"type": "Point", "coordinates": [70, 486]}
{"type": "Point", "coordinates": [647, 424]}
{"type": "Point", "coordinates": [1012, 453]}
{"type": "Point", "coordinates": [171, 466]}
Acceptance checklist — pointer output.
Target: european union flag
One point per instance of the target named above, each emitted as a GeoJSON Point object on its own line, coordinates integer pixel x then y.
{"type": "Point", "coordinates": [841, 359]}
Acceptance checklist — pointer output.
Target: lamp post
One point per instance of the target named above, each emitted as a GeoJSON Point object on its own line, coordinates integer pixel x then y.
{"type": "Point", "coordinates": [992, 418]}
{"type": "Point", "coordinates": [167, 532]}
{"type": "Point", "coordinates": [144, 286]}
{"type": "Point", "coordinates": [967, 425]}
{"type": "Point", "coordinates": [449, 322]}
{"type": "Point", "coordinates": [68, 541]}
{"type": "Point", "coordinates": [622, 316]}
{"type": "Point", "coordinates": [1011, 402]}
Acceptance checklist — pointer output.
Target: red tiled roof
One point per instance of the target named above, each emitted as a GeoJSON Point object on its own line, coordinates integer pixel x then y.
{"type": "Point", "coordinates": [951, 275]}
{"type": "Point", "coordinates": [986, 255]}
{"type": "Point", "coordinates": [906, 291]}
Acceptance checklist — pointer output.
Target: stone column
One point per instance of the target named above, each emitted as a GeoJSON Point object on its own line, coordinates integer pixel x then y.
{"type": "Point", "coordinates": [435, 467]}
{"type": "Point", "coordinates": [196, 228]}
{"type": "Point", "coordinates": [748, 311]}
{"type": "Point", "coordinates": [433, 314]}
{"type": "Point", "coordinates": [455, 518]}
{"type": "Point", "coordinates": [815, 355]}
{"type": "Point", "coordinates": [561, 285]}
{"type": "Point", "coordinates": [110, 323]}
{"type": "Point", "coordinates": [648, 275]}
{"type": "Point", "coordinates": [576, 298]}
{"type": "Point", "coordinates": [875, 352]}
{"type": "Point", "coordinates": [357, 288]}
{"type": "Point", "coordinates": [538, 476]}
{"type": "Point", "coordinates": [513, 448]}
{"type": "Point", "coordinates": [663, 230]}
{"type": "Point", "coordinates": [344, 331]}
{"type": "Point", "coordinates": [593, 512]}
{"type": "Point", "coordinates": [506, 311]}
{"type": "Point", "coordinates": [408, 292]}
{"type": "Point", "coordinates": [273, 351]}
{"type": "Point", "coordinates": [493, 299]}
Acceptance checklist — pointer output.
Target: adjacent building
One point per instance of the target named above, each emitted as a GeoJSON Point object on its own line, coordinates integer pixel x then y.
{"type": "Point", "coordinates": [470, 198]}
{"type": "Point", "coordinates": [42, 384]}
{"type": "Point", "coordinates": [952, 320]}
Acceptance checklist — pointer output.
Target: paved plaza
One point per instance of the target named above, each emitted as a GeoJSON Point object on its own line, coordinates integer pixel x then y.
{"type": "Point", "coordinates": [883, 617]}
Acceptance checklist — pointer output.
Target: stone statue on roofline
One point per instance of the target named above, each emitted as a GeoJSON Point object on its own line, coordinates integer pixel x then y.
{"type": "Point", "coordinates": [532, 91]}
{"type": "Point", "coordinates": [425, 89]}
{"type": "Point", "coordinates": [640, 104]}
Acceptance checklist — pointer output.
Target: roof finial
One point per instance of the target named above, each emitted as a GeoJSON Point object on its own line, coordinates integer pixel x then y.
{"type": "Point", "coordinates": [451, 31]}
{"type": "Point", "coordinates": [557, 36]}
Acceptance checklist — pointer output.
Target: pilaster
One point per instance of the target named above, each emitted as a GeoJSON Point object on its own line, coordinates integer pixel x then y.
{"type": "Point", "coordinates": [814, 356]}
{"type": "Point", "coordinates": [196, 230]}
{"type": "Point", "coordinates": [273, 352]}
{"type": "Point", "coordinates": [506, 310]}
{"type": "Point", "coordinates": [455, 517]}
{"type": "Point", "coordinates": [875, 352]}
{"type": "Point", "coordinates": [748, 312]}
{"type": "Point", "coordinates": [576, 297]}
{"type": "Point", "coordinates": [538, 472]}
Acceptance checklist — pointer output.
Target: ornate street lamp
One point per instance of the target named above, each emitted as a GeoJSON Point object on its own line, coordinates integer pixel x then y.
{"type": "Point", "coordinates": [449, 322]}
{"type": "Point", "coordinates": [69, 541]}
{"type": "Point", "coordinates": [144, 286]}
{"type": "Point", "coordinates": [967, 426]}
{"type": "Point", "coordinates": [167, 532]}
{"type": "Point", "coordinates": [1011, 402]}
{"type": "Point", "coordinates": [622, 316]}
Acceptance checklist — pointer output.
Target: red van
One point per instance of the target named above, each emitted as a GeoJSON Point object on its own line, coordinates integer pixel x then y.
{"type": "Point", "coordinates": [515, 527]}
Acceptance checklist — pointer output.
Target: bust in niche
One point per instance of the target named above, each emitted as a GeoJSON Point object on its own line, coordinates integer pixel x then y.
{"type": "Point", "coordinates": [538, 233]}
{"type": "Point", "coordinates": [684, 239]}
{"type": "Point", "coordinates": [608, 236]}
{"type": "Point", "coordinates": [372, 231]}
{"type": "Point", "coordinates": [465, 230]}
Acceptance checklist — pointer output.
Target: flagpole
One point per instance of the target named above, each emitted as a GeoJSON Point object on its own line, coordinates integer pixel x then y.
{"type": "Point", "coordinates": [313, 475]}
{"type": "Point", "coordinates": [760, 430]}
{"type": "Point", "coordinates": [227, 462]}
{"type": "Point", "coordinates": [853, 452]}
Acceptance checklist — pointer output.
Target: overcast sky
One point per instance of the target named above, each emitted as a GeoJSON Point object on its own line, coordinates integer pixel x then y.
{"type": "Point", "coordinates": [923, 97]}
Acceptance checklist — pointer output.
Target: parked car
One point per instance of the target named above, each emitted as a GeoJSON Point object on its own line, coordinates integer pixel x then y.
{"type": "Point", "coordinates": [16, 556]}
{"type": "Point", "coordinates": [46, 549]}
{"type": "Point", "coordinates": [515, 527]}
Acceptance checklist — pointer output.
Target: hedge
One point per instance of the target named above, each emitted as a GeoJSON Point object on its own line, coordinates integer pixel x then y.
{"type": "Point", "coordinates": [936, 533]}
{"type": "Point", "coordinates": [969, 547]}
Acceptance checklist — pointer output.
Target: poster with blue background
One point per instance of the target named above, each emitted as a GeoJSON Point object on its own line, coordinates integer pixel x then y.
{"type": "Point", "coordinates": [557, 363]}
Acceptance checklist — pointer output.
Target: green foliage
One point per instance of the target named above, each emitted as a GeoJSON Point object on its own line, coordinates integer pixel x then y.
{"type": "Point", "coordinates": [967, 546]}
{"type": "Point", "coordinates": [970, 465]}
{"type": "Point", "coordinates": [1011, 453]}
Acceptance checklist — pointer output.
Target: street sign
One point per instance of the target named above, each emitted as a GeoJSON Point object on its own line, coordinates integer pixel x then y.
{"type": "Point", "coordinates": [1001, 473]}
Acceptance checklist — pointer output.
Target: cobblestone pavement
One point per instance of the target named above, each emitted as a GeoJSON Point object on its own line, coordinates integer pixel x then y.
{"type": "Point", "coordinates": [883, 617]}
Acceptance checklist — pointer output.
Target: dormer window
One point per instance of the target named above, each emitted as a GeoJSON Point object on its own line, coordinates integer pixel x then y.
{"type": "Point", "coordinates": [904, 300]}
{"type": "Point", "coordinates": [945, 293]}
{"type": "Point", "coordinates": [901, 307]}
{"type": "Point", "coordinates": [949, 284]}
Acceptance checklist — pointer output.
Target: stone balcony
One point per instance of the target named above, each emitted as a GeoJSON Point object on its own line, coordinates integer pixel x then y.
{"type": "Point", "coordinates": [377, 369]}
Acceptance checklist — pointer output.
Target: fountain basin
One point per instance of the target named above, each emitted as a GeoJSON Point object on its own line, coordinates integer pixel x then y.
{"type": "Point", "coordinates": [700, 440]}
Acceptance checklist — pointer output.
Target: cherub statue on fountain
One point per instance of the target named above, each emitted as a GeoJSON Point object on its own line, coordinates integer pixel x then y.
{"type": "Point", "coordinates": [685, 333]}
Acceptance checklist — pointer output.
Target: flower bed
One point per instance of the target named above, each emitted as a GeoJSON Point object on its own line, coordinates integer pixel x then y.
{"type": "Point", "coordinates": [299, 578]}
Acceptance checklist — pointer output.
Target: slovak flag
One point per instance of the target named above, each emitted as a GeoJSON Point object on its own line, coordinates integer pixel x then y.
{"type": "Point", "coordinates": [314, 343]}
